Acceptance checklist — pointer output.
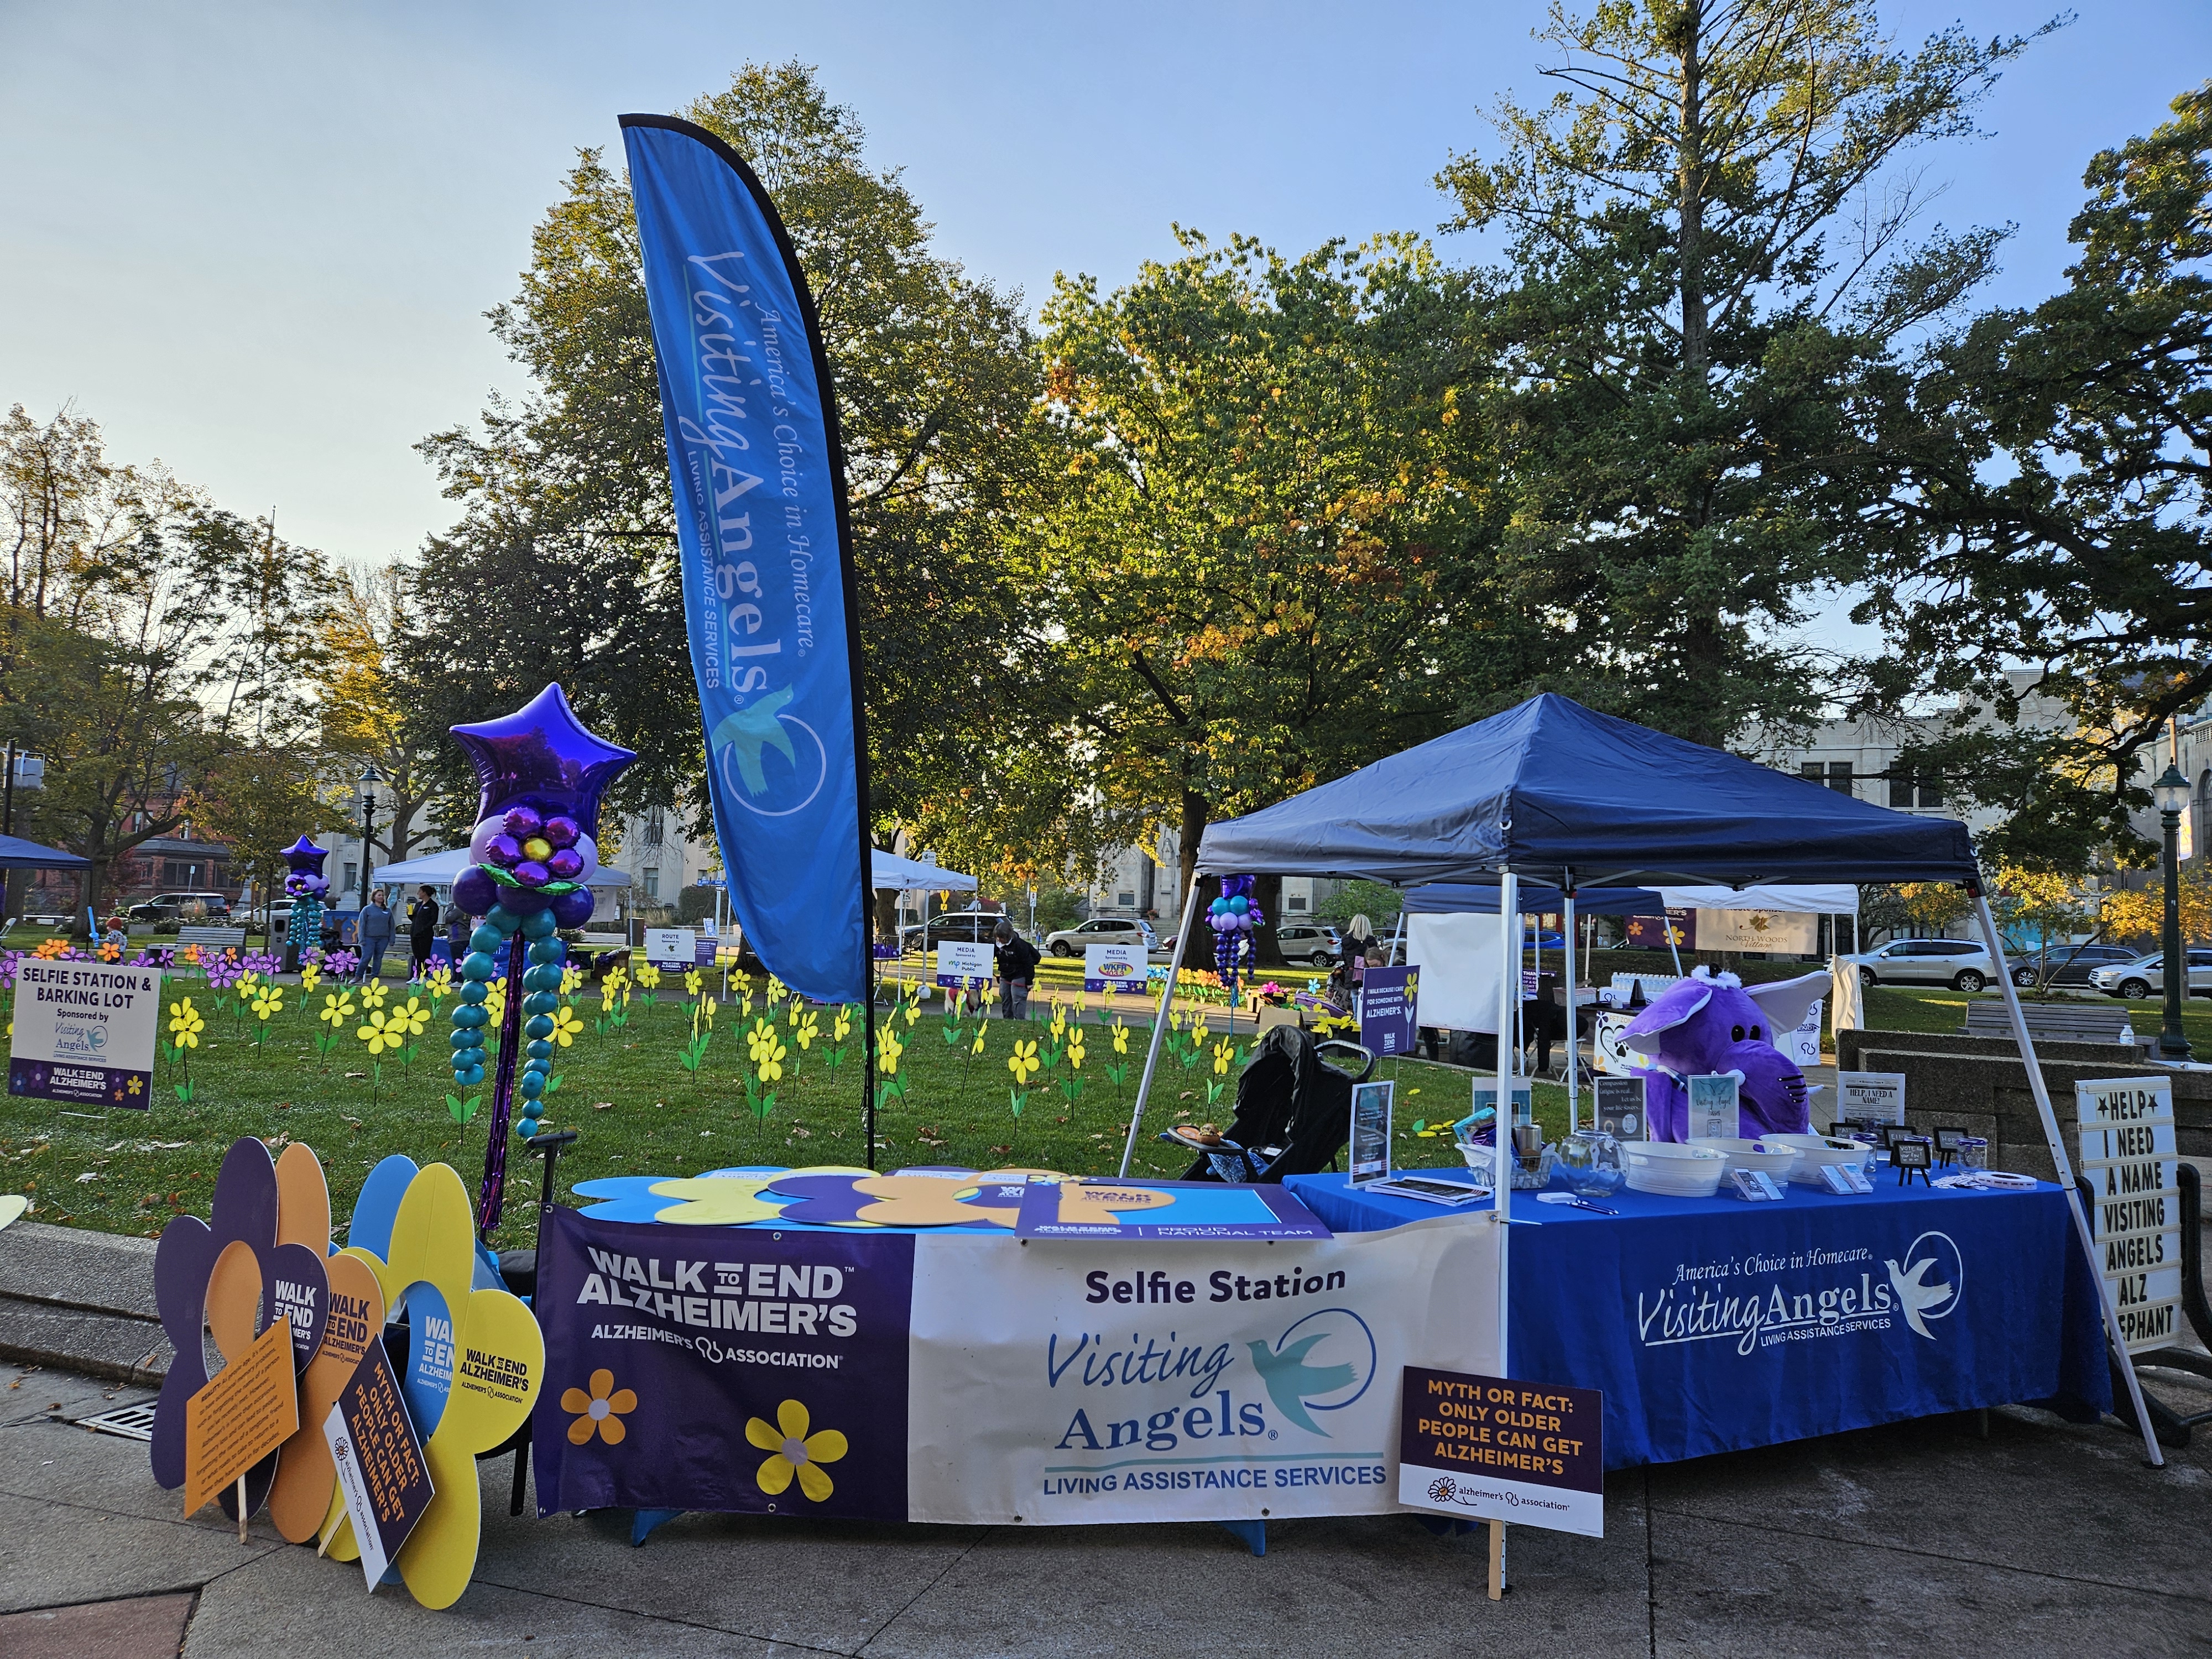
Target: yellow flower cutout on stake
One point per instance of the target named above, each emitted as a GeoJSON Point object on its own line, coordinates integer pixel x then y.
{"type": "Point", "coordinates": [268, 999]}
{"type": "Point", "coordinates": [804, 1030]}
{"type": "Point", "coordinates": [494, 1002]}
{"type": "Point", "coordinates": [1223, 1051]}
{"type": "Point", "coordinates": [759, 1040]}
{"type": "Point", "coordinates": [186, 1025]}
{"type": "Point", "coordinates": [980, 1032]}
{"type": "Point", "coordinates": [841, 1027]}
{"type": "Point", "coordinates": [337, 1008]}
{"type": "Point", "coordinates": [888, 1050]}
{"type": "Point", "coordinates": [1120, 1038]}
{"type": "Point", "coordinates": [649, 978]}
{"type": "Point", "coordinates": [571, 978]}
{"type": "Point", "coordinates": [691, 982]}
{"type": "Point", "coordinates": [439, 982]}
{"type": "Point", "coordinates": [797, 1453]}
{"type": "Point", "coordinates": [309, 973]}
{"type": "Point", "coordinates": [1023, 1061]}
{"type": "Point", "coordinates": [373, 993]}
{"type": "Point", "coordinates": [566, 1026]}
{"type": "Point", "coordinates": [769, 1062]}
{"type": "Point", "coordinates": [381, 1033]}
{"type": "Point", "coordinates": [1075, 1050]}
{"type": "Point", "coordinates": [410, 1019]}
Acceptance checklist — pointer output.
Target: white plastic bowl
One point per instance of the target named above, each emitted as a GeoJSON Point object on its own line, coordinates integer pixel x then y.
{"type": "Point", "coordinates": [1777, 1161]}
{"type": "Point", "coordinates": [1681, 1171]}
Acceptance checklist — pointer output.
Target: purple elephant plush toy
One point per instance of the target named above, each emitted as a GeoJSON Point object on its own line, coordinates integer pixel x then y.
{"type": "Point", "coordinates": [1710, 1024]}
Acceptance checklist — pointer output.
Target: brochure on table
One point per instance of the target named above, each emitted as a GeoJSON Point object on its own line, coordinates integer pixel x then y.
{"type": "Point", "coordinates": [1107, 1210]}
{"type": "Point", "coordinates": [1370, 1131]}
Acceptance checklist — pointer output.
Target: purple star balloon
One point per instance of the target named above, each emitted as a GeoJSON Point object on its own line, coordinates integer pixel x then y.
{"type": "Point", "coordinates": [540, 757]}
{"type": "Point", "coordinates": [305, 858]}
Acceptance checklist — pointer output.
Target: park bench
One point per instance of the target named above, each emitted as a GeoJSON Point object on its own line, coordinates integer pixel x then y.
{"type": "Point", "coordinates": [212, 938]}
{"type": "Point", "coordinates": [2054, 1022]}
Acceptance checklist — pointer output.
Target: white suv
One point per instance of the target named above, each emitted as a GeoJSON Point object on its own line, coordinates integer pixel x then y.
{"type": "Point", "coordinates": [1960, 963]}
{"type": "Point", "coordinates": [1308, 942]}
{"type": "Point", "coordinates": [2145, 977]}
{"type": "Point", "coordinates": [1100, 930]}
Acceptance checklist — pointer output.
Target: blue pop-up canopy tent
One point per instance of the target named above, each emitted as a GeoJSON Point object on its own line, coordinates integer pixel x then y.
{"type": "Point", "coordinates": [1554, 790]}
{"type": "Point", "coordinates": [16, 854]}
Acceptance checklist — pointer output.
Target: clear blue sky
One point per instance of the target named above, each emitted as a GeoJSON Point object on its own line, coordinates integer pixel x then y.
{"type": "Point", "coordinates": [257, 240]}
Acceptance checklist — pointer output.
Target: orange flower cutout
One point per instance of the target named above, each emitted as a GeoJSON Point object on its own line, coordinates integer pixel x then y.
{"type": "Point", "coordinates": [601, 1410]}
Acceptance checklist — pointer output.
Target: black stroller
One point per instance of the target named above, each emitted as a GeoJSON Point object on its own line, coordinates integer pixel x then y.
{"type": "Point", "coordinates": [1293, 1111]}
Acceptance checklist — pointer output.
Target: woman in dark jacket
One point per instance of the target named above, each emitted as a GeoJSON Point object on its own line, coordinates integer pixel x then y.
{"type": "Point", "coordinates": [421, 929]}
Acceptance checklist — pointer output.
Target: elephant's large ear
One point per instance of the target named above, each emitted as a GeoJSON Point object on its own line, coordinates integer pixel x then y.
{"type": "Point", "coordinates": [1785, 1002]}
{"type": "Point", "coordinates": [1676, 1006]}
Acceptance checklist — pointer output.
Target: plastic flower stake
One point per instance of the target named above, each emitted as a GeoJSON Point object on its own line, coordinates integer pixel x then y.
{"type": "Point", "coordinates": [337, 1008]}
{"type": "Point", "coordinates": [383, 1035]}
{"type": "Point", "coordinates": [691, 982]}
{"type": "Point", "coordinates": [840, 1028]}
{"type": "Point", "coordinates": [268, 1002]}
{"type": "Point", "coordinates": [889, 1048]}
{"type": "Point", "coordinates": [186, 1025]}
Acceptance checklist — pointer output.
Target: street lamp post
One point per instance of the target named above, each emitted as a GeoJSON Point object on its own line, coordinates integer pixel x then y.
{"type": "Point", "coordinates": [370, 777]}
{"type": "Point", "coordinates": [2171, 792]}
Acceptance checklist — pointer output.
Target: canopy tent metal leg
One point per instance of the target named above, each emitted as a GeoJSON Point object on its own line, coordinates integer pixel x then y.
{"type": "Point", "coordinates": [2065, 1168]}
{"type": "Point", "coordinates": [1574, 1052]}
{"type": "Point", "coordinates": [1160, 1025]}
{"type": "Point", "coordinates": [1509, 1005]}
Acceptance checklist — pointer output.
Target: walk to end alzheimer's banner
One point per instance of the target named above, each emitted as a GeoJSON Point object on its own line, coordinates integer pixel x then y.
{"type": "Point", "coordinates": [965, 1378]}
{"type": "Point", "coordinates": [754, 458]}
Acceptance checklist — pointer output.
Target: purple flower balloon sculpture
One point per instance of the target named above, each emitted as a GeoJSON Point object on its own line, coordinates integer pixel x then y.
{"type": "Point", "coordinates": [1232, 917]}
{"type": "Point", "coordinates": [540, 775]}
{"type": "Point", "coordinates": [308, 891]}
{"type": "Point", "coordinates": [1710, 1024]}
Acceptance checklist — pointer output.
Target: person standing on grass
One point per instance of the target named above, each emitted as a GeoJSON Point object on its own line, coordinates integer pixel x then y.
{"type": "Point", "coordinates": [374, 936]}
{"type": "Point", "coordinates": [1017, 960]}
{"type": "Point", "coordinates": [421, 929]}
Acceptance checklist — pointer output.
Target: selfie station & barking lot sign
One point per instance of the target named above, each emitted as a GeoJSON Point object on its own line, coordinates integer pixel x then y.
{"type": "Point", "coordinates": [84, 1033]}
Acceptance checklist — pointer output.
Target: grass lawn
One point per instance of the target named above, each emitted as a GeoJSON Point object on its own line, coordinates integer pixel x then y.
{"type": "Point", "coordinates": [637, 1109]}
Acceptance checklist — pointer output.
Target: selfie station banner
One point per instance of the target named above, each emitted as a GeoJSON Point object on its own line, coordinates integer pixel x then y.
{"type": "Point", "coordinates": [758, 476]}
{"type": "Point", "coordinates": [965, 1377]}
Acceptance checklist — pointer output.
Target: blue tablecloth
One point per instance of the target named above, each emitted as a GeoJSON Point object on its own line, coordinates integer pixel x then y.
{"type": "Point", "coordinates": [1714, 1325]}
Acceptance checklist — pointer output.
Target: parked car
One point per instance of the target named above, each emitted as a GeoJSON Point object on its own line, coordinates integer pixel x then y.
{"type": "Point", "coordinates": [1960, 963]}
{"type": "Point", "coordinates": [1312, 943]}
{"type": "Point", "coordinates": [1101, 930]}
{"type": "Point", "coordinates": [2068, 964]}
{"type": "Point", "coordinates": [960, 928]}
{"type": "Point", "coordinates": [2145, 976]}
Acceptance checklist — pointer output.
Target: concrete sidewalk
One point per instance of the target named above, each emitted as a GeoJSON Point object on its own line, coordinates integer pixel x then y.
{"type": "Point", "coordinates": [2044, 1538]}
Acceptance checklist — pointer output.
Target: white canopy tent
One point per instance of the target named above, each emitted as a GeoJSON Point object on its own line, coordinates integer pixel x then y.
{"type": "Point", "coordinates": [441, 869]}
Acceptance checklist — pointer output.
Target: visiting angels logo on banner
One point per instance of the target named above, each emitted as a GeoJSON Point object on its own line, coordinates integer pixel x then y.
{"type": "Point", "coordinates": [953, 1377]}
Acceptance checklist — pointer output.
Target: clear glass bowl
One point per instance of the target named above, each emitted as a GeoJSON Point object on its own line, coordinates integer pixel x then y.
{"type": "Point", "coordinates": [1588, 1164]}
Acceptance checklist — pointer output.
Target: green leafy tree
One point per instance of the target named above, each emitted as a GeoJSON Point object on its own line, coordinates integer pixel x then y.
{"type": "Point", "coordinates": [1709, 250]}
{"type": "Point", "coordinates": [564, 564]}
{"type": "Point", "coordinates": [2048, 508]}
{"type": "Point", "coordinates": [1268, 519]}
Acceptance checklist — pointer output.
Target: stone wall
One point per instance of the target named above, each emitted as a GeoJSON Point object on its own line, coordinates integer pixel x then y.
{"type": "Point", "coordinates": [1980, 1085]}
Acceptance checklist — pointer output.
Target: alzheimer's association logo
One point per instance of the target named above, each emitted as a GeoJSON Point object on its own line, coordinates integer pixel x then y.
{"type": "Point", "coordinates": [773, 764]}
{"type": "Point", "coordinates": [1929, 1282]}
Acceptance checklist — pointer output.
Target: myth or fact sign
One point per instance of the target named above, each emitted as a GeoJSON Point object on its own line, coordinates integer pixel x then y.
{"type": "Point", "coordinates": [1113, 967]}
{"type": "Point", "coordinates": [672, 948]}
{"type": "Point", "coordinates": [85, 1033]}
{"type": "Point", "coordinates": [382, 1473]}
{"type": "Point", "coordinates": [1389, 999]}
{"type": "Point", "coordinates": [2129, 1158]}
{"type": "Point", "coordinates": [962, 964]}
{"type": "Point", "coordinates": [1491, 1449]}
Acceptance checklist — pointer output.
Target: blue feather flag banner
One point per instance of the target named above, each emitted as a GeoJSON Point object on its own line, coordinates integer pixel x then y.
{"type": "Point", "coordinates": [755, 461]}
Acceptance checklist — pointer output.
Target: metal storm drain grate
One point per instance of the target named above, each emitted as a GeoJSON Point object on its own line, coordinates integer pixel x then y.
{"type": "Point", "coordinates": [132, 1422]}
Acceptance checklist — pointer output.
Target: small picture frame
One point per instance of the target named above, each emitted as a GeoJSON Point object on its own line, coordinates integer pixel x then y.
{"type": "Point", "coordinates": [1947, 1144]}
{"type": "Point", "coordinates": [1912, 1155]}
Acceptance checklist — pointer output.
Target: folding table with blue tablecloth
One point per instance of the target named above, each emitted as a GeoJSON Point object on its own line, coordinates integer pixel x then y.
{"type": "Point", "coordinates": [1711, 1324]}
